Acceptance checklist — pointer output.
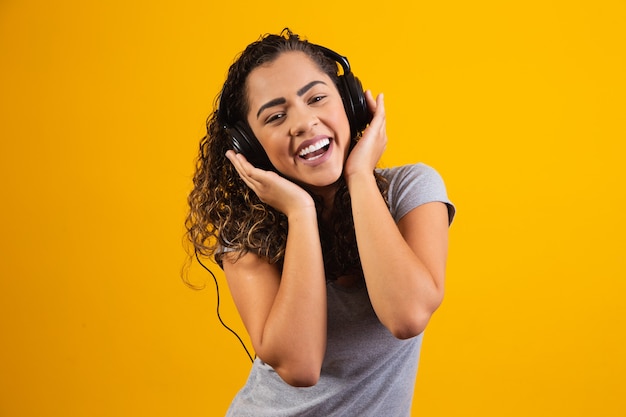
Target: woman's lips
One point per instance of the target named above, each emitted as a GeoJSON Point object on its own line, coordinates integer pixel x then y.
{"type": "Point", "coordinates": [314, 150]}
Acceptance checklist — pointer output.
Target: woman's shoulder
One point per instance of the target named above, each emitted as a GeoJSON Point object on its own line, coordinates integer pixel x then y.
{"type": "Point", "coordinates": [412, 185]}
{"type": "Point", "coordinates": [411, 174]}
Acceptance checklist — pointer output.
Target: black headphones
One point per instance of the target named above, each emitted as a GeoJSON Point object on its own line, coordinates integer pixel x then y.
{"type": "Point", "coordinates": [243, 140]}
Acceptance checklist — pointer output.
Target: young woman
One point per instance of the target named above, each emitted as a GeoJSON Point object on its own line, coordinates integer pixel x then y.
{"type": "Point", "coordinates": [335, 266]}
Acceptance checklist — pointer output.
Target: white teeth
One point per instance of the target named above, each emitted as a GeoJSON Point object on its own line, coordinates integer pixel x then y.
{"type": "Point", "coordinates": [314, 147]}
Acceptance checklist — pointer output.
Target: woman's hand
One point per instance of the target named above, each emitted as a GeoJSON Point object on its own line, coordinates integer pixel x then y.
{"type": "Point", "coordinates": [370, 148]}
{"type": "Point", "coordinates": [280, 193]}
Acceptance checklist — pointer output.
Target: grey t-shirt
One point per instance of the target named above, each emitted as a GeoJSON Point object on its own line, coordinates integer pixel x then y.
{"type": "Point", "coordinates": [366, 370]}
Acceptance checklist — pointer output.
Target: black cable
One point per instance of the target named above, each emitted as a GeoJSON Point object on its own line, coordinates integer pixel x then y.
{"type": "Point", "coordinates": [217, 289]}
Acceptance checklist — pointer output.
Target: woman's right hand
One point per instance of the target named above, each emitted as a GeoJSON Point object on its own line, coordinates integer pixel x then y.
{"type": "Point", "coordinates": [280, 193]}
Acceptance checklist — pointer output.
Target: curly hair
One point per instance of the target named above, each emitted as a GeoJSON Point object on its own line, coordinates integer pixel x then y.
{"type": "Point", "coordinates": [226, 213]}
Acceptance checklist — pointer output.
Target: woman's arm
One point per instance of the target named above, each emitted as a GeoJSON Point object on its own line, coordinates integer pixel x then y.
{"type": "Point", "coordinates": [284, 312]}
{"type": "Point", "coordinates": [403, 264]}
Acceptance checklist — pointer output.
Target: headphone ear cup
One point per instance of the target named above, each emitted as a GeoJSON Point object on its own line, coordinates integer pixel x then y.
{"type": "Point", "coordinates": [243, 141]}
{"type": "Point", "coordinates": [354, 102]}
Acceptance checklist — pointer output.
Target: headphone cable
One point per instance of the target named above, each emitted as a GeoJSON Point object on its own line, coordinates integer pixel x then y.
{"type": "Point", "coordinates": [217, 289]}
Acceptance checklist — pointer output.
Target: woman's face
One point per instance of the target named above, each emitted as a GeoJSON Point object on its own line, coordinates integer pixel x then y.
{"type": "Point", "coordinates": [298, 116]}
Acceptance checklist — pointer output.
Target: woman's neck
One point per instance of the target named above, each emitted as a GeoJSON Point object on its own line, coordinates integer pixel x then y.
{"type": "Point", "coordinates": [326, 198]}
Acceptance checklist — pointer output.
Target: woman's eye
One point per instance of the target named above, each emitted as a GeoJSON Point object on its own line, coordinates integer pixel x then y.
{"type": "Point", "coordinates": [316, 99]}
{"type": "Point", "coordinates": [274, 117]}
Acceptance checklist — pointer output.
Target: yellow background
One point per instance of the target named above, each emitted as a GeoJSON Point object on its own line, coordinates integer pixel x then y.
{"type": "Point", "coordinates": [520, 105]}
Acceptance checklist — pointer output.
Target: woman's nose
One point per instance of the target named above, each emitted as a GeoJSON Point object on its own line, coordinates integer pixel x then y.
{"type": "Point", "coordinates": [302, 120]}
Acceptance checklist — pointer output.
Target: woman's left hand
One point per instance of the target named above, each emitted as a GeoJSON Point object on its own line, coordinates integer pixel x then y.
{"type": "Point", "coordinates": [370, 148]}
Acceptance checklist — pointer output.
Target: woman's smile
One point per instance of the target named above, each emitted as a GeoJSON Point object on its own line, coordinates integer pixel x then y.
{"type": "Point", "coordinates": [315, 149]}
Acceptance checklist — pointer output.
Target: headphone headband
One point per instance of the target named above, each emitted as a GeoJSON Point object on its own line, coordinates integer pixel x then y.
{"type": "Point", "coordinates": [342, 60]}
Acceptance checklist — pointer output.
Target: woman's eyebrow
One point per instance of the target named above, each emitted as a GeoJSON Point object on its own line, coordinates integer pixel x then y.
{"type": "Point", "coordinates": [307, 87]}
{"type": "Point", "coordinates": [274, 102]}
{"type": "Point", "coordinates": [281, 100]}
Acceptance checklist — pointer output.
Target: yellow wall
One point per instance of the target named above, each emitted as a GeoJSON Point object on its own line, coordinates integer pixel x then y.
{"type": "Point", "coordinates": [520, 105]}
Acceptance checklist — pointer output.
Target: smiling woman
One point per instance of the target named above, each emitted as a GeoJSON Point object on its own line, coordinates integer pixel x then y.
{"type": "Point", "coordinates": [335, 265]}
